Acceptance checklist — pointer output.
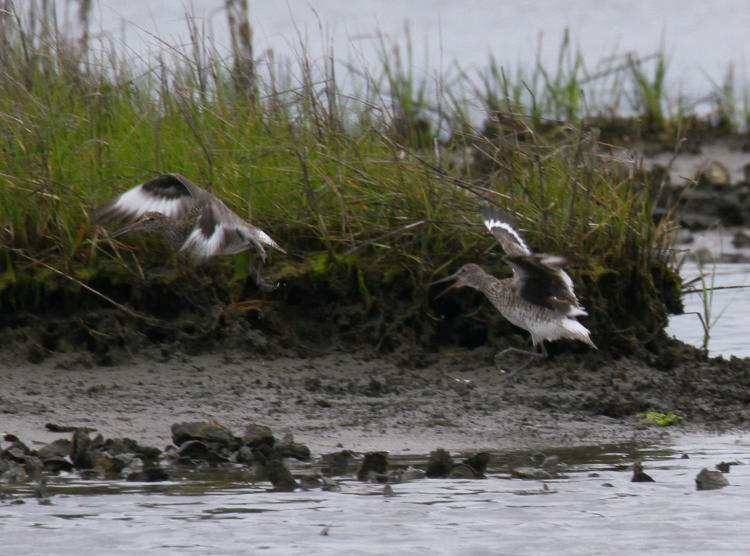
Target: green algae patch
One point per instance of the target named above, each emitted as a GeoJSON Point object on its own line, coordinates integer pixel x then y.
{"type": "Point", "coordinates": [660, 419]}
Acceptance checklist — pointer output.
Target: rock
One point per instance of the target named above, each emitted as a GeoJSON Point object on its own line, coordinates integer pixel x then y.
{"type": "Point", "coordinates": [724, 466]}
{"type": "Point", "coordinates": [112, 465]}
{"type": "Point", "coordinates": [462, 471]}
{"type": "Point", "coordinates": [329, 485]}
{"type": "Point", "coordinates": [205, 431]}
{"type": "Point", "coordinates": [374, 465]}
{"type": "Point", "coordinates": [309, 482]}
{"type": "Point", "coordinates": [530, 473]}
{"type": "Point", "coordinates": [82, 453]}
{"type": "Point", "coordinates": [149, 475]}
{"type": "Point", "coordinates": [412, 474]}
{"type": "Point", "coordinates": [14, 473]}
{"type": "Point", "coordinates": [57, 464]}
{"type": "Point", "coordinates": [117, 446]}
{"type": "Point", "coordinates": [478, 462]}
{"type": "Point", "coordinates": [640, 476]}
{"type": "Point", "coordinates": [245, 456]}
{"type": "Point", "coordinates": [15, 453]}
{"type": "Point", "coordinates": [336, 463]}
{"type": "Point", "coordinates": [54, 427]}
{"type": "Point", "coordinates": [260, 439]}
{"type": "Point", "coordinates": [33, 466]}
{"type": "Point", "coordinates": [710, 480]}
{"type": "Point", "coordinates": [439, 464]}
{"type": "Point", "coordinates": [713, 172]}
{"type": "Point", "coordinates": [202, 451]}
{"type": "Point", "coordinates": [281, 478]}
{"type": "Point", "coordinates": [60, 448]}
{"type": "Point", "coordinates": [288, 448]}
{"type": "Point", "coordinates": [741, 239]}
{"type": "Point", "coordinates": [148, 453]}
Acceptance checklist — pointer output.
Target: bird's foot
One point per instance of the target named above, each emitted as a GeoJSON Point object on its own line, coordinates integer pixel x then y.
{"type": "Point", "coordinates": [532, 356]}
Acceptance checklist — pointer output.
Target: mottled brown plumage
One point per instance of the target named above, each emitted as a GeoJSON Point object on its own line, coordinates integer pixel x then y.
{"type": "Point", "coordinates": [538, 298]}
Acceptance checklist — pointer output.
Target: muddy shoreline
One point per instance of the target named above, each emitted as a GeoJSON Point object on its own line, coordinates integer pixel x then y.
{"type": "Point", "coordinates": [459, 400]}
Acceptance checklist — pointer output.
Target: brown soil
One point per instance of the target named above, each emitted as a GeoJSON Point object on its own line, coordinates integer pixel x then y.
{"type": "Point", "coordinates": [409, 400]}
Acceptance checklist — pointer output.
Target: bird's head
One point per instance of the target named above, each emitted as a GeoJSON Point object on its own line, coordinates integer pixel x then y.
{"type": "Point", "coordinates": [154, 221]}
{"type": "Point", "coordinates": [468, 275]}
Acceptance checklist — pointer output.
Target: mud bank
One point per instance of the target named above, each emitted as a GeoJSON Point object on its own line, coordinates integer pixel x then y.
{"type": "Point", "coordinates": [458, 400]}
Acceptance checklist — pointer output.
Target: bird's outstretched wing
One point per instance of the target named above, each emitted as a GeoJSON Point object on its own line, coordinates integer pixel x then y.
{"type": "Point", "coordinates": [170, 194]}
{"type": "Point", "coordinates": [541, 280]}
{"type": "Point", "coordinates": [502, 226]}
{"type": "Point", "coordinates": [219, 231]}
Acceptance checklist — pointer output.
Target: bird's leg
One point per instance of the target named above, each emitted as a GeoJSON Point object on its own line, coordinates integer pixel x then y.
{"type": "Point", "coordinates": [259, 280]}
{"type": "Point", "coordinates": [541, 354]}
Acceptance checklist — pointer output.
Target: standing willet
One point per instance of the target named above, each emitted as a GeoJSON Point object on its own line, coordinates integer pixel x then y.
{"type": "Point", "coordinates": [538, 298]}
{"type": "Point", "coordinates": [188, 216]}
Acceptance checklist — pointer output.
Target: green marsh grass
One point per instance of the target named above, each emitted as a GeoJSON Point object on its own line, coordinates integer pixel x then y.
{"type": "Point", "coordinates": [378, 190]}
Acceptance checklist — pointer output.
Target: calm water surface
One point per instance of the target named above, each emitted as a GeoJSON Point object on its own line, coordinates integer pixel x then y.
{"type": "Point", "coordinates": [730, 310]}
{"type": "Point", "coordinates": [595, 510]}
{"type": "Point", "coordinates": [701, 38]}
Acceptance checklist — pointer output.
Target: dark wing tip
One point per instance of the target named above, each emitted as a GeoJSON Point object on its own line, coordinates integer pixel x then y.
{"type": "Point", "coordinates": [494, 213]}
{"type": "Point", "coordinates": [169, 186]}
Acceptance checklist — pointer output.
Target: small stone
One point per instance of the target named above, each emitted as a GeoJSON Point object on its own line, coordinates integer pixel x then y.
{"type": "Point", "coordinates": [530, 473]}
{"type": "Point", "coordinates": [713, 172]}
{"type": "Point", "coordinates": [202, 451]}
{"type": "Point", "coordinates": [462, 471]}
{"type": "Point", "coordinates": [412, 474]}
{"type": "Point", "coordinates": [15, 452]}
{"type": "Point", "coordinates": [245, 455]}
{"type": "Point", "coordinates": [149, 475]}
{"type": "Point", "coordinates": [205, 431]}
{"type": "Point", "coordinates": [112, 465]}
{"type": "Point", "coordinates": [741, 239]}
{"type": "Point", "coordinates": [288, 448]}
{"type": "Point", "coordinates": [336, 463]}
{"type": "Point", "coordinates": [57, 464]}
{"type": "Point", "coordinates": [281, 478]}
{"type": "Point", "coordinates": [724, 466]}
{"type": "Point", "coordinates": [258, 435]}
{"type": "Point", "coordinates": [33, 466]}
{"type": "Point", "coordinates": [329, 485]}
{"type": "Point", "coordinates": [373, 462]}
{"type": "Point", "coordinates": [710, 480]}
{"type": "Point", "coordinates": [82, 453]}
{"type": "Point", "coordinates": [439, 464]}
{"type": "Point", "coordinates": [309, 482]}
{"type": "Point", "coordinates": [640, 476]}
{"type": "Point", "coordinates": [478, 462]}
{"type": "Point", "coordinates": [60, 448]}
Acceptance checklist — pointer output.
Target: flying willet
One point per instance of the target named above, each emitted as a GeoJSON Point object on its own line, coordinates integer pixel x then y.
{"type": "Point", "coordinates": [188, 216]}
{"type": "Point", "coordinates": [538, 298]}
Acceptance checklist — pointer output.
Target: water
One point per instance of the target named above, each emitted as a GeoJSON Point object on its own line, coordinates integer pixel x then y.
{"type": "Point", "coordinates": [701, 38]}
{"type": "Point", "coordinates": [729, 310]}
{"type": "Point", "coordinates": [595, 510]}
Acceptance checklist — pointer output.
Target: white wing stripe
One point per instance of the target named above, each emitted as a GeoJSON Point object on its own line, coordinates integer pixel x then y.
{"type": "Point", "coordinates": [510, 230]}
{"type": "Point", "coordinates": [202, 246]}
{"type": "Point", "coordinates": [137, 203]}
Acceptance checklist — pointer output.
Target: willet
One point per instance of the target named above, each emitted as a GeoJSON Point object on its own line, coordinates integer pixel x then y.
{"type": "Point", "coordinates": [538, 298]}
{"type": "Point", "coordinates": [189, 217]}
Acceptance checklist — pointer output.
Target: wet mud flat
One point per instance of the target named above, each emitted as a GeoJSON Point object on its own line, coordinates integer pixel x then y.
{"type": "Point", "coordinates": [458, 399]}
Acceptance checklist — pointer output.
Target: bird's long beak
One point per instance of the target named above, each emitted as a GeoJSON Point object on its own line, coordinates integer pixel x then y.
{"type": "Point", "coordinates": [454, 285]}
{"type": "Point", "coordinates": [137, 225]}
